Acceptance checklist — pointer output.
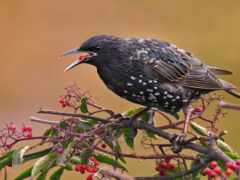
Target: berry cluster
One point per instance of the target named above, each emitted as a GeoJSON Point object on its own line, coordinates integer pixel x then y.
{"type": "Point", "coordinates": [11, 135]}
{"type": "Point", "coordinates": [213, 170]}
{"type": "Point", "coordinates": [91, 167]}
{"type": "Point", "coordinates": [27, 131]}
{"type": "Point", "coordinates": [163, 166]}
{"type": "Point", "coordinates": [64, 102]}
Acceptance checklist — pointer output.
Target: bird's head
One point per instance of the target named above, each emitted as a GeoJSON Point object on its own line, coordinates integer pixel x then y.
{"type": "Point", "coordinates": [93, 51]}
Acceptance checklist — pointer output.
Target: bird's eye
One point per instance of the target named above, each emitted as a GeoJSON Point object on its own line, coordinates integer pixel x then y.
{"type": "Point", "coordinates": [94, 48]}
{"type": "Point", "coordinates": [98, 47]}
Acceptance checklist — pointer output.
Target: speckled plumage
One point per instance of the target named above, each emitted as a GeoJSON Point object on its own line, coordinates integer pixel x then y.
{"type": "Point", "coordinates": [153, 73]}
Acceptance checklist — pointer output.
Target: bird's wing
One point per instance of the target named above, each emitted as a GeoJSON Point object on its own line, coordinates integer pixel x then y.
{"type": "Point", "coordinates": [178, 66]}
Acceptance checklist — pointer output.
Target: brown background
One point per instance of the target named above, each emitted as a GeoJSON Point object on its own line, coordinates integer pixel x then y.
{"type": "Point", "coordinates": [34, 33]}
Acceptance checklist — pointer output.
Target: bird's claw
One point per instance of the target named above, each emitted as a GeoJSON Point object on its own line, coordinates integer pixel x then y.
{"type": "Point", "coordinates": [178, 141]}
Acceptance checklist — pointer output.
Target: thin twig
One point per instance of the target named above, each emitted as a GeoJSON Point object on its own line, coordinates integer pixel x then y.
{"type": "Point", "coordinates": [42, 111]}
{"type": "Point", "coordinates": [43, 121]}
{"type": "Point", "coordinates": [229, 106]}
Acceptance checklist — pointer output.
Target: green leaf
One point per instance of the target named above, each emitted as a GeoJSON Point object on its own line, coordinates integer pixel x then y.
{"type": "Point", "coordinates": [83, 158]}
{"type": "Point", "coordinates": [6, 159]}
{"type": "Point", "coordinates": [85, 155]}
{"type": "Point", "coordinates": [108, 160]}
{"type": "Point", "coordinates": [233, 155]}
{"type": "Point", "coordinates": [24, 174]}
{"type": "Point", "coordinates": [196, 175]}
{"type": "Point", "coordinates": [57, 174]}
{"type": "Point", "coordinates": [36, 154]}
{"type": "Point", "coordinates": [115, 146]}
{"type": "Point", "coordinates": [76, 160]}
{"type": "Point", "coordinates": [7, 154]}
{"type": "Point", "coordinates": [68, 166]}
{"type": "Point", "coordinates": [62, 158]}
{"type": "Point", "coordinates": [50, 132]}
{"type": "Point", "coordinates": [129, 135]}
{"type": "Point", "coordinates": [224, 146]}
{"type": "Point", "coordinates": [198, 129]}
{"type": "Point", "coordinates": [147, 117]}
{"type": "Point", "coordinates": [132, 112]}
{"type": "Point", "coordinates": [17, 157]}
{"type": "Point", "coordinates": [42, 176]}
{"type": "Point", "coordinates": [203, 131]}
{"type": "Point", "coordinates": [90, 122]}
{"type": "Point", "coordinates": [63, 124]}
{"type": "Point", "coordinates": [83, 106]}
{"type": "Point", "coordinates": [44, 163]}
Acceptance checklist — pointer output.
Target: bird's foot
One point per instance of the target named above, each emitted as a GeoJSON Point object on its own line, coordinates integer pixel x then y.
{"type": "Point", "coordinates": [177, 142]}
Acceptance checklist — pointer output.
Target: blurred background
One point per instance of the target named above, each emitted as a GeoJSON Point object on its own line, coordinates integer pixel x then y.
{"type": "Point", "coordinates": [34, 33]}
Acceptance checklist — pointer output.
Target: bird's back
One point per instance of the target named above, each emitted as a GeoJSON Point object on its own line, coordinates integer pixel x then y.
{"type": "Point", "coordinates": [158, 74]}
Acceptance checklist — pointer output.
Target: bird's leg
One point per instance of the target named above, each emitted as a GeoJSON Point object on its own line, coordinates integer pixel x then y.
{"type": "Point", "coordinates": [188, 113]}
{"type": "Point", "coordinates": [179, 139]}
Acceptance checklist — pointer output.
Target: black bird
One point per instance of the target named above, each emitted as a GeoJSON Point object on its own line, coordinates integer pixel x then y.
{"type": "Point", "coordinates": [151, 72]}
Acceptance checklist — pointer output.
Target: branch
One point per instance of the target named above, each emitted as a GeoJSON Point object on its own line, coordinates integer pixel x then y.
{"type": "Point", "coordinates": [229, 106]}
{"type": "Point", "coordinates": [42, 111]}
{"type": "Point", "coordinates": [43, 121]}
{"type": "Point", "coordinates": [145, 157]}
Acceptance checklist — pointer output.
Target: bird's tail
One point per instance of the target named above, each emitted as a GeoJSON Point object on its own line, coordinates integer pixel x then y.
{"type": "Point", "coordinates": [230, 88]}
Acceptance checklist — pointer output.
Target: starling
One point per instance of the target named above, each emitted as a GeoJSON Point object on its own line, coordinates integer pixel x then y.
{"type": "Point", "coordinates": [151, 72]}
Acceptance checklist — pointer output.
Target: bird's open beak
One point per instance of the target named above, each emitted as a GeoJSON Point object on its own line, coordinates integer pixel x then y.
{"type": "Point", "coordinates": [83, 57]}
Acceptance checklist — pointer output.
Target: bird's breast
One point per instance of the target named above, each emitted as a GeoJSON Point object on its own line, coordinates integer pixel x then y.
{"type": "Point", "coordinates": [138, 88]}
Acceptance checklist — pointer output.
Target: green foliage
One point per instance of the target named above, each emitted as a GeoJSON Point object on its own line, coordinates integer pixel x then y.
{"type": "Point", "coordinates": [83, 105]}
{"type": "Point", "coordinates": [85, 155]}
{"type": "Point", "coordinates": [74, 150]}
{"type": "Point", "coordinates": [108, 160]}
{"type": "Point", "coordinates": [24, 174]}
{"type": "Point", "coordinates": [129, 135]}
{"type": "Point", "coordinates": [6, 159]}
{"type": "Point", "coordinates": [57, 174]}
{"type": "Point", "coordinates": [44, 163]}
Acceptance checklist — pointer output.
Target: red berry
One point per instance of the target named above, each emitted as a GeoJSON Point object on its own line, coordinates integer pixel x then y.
{"type": "Point", "coordinates": [163, 165]}
{"type": "Point", "coordinates": [90, 177]}
{"type": "Point", "coordinates": [238, 162]}
{"type": "Point", "coordinates": [170, 166]}
{"type": "Point", "coordinates": [77, 167]}
{"type": "Point", "coordinates": [92, 169]}
{"type": "Point", "coordinates": [213, 164]}
{"type": "Point", "coordinates": [206, 171]}
{"type": "Point", "coordinates": [211, 174]}
{"type": "Point", "coordinates": [162, 173]}
{"type": "Point", "coordinates": [103, 146]}
{"type": "Point", "coordinates": [27, 128]}
{"type": "Point", "coordinates": [80, 168]}
{"type": "Point", "coordinates": [217, 170]}
{"type": "Point", "coordinates": [231, 165]}
{"type": "Point", "coordinates": [228, 172]}
{"type": "Point", "coordinates": [95, 162]}
{"type": "Point", "coordinates": [62, 101]}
